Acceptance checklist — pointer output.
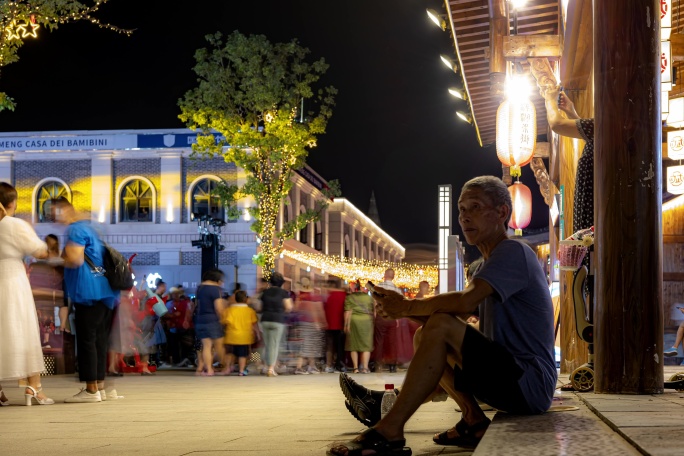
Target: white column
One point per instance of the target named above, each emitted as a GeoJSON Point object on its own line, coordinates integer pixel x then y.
{"type": "Point", "coordinates": [352, 241]}
{"type": "Point", "coordinates": [171, 188]}
{"type": "Point", "coordinates": [325, 220]}
{"type": "Point", "coordinates": [312, 225]}
{"type": "Point", "coordinates": [7, 167]}
{"type": "Point", "coordinates": [101, 171]}
{"type": "Point", "coordinates": [295, 210]}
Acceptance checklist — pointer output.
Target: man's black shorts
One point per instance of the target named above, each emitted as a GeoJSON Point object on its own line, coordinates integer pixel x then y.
{"type": "Point", "coordinates": [490, 373]}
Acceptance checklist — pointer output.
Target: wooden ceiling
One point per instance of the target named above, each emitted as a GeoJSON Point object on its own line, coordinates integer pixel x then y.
{"type": "Point", "coordinates": [470, 21]}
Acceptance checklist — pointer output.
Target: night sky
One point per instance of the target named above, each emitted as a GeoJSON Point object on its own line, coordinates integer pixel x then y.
{"type": "Point", "coordinates": [394, 130]}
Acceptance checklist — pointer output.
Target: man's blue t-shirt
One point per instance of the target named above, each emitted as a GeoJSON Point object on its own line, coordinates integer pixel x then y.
{"type": "Point", "coordinates": [84, 287]}
{"type": "Point", "coordinates": [519, 316]}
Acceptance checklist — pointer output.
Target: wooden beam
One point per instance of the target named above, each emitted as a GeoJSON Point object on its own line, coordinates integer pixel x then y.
{"type": "Point", "coordinates": [673, 276]}
{"type": "Point", "coordinates": [523, 46]}
{"type": "Point", "coordinates": [677, 43]}
{"type": "Point", "coordinates": [542, 150]}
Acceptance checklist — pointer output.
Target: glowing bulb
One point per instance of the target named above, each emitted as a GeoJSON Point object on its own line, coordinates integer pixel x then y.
{"type": "Point", "coordinates": [169, 212]}
{"type": "Point", "coordinates": [464, 117]}
{"type": "Point", "coordinates": [518, 3]}
{"type": "Point", "coordinates": [449, 63]}
{"type": "Point", "coordinates": [101, 216]}
{"type": "Point", "coordinates": [436, 18]}
{"type": "Point", "coordinates": [458, 93]}
{"type": "Point", "coordinates": [517, 88]}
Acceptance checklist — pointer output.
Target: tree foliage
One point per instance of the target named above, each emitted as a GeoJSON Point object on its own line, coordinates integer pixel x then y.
{"type": "Point", "coordinates": [247, 107]}
{"type": "Point", "coordinates": [22, 19]}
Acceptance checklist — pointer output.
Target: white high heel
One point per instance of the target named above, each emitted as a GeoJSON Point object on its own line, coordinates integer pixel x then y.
{"type": "Point", "coordinates": [3, 403]}
{"type": "Point", "coordinates": [30, 397]}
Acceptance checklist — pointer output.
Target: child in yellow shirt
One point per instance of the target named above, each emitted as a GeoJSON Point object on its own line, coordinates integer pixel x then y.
{"type": "Point", "coordinates": [242, 329]}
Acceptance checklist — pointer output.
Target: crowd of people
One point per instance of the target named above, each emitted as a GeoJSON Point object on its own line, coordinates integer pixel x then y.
{"type": "Point", "coordinates": [330, 327]}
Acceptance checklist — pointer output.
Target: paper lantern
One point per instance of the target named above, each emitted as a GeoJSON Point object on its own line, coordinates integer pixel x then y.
{"type": "Point", "coordinates": [522, 206]}
{"type": "Point", "coordinates": [516, 132]}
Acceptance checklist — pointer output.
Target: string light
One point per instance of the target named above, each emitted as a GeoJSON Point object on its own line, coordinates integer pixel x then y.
{"type": "Point", "coordinates": [406, 275]}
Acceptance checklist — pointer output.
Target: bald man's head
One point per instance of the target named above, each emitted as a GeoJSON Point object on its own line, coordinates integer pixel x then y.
{"type": "Point", "coordinates": [389, 275]}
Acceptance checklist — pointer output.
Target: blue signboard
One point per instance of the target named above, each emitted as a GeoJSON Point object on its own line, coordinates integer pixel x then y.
{"type": "Point", "coordinates": [182, 140]}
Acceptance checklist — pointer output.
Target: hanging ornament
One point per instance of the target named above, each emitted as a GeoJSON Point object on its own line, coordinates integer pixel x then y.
{"type": "Point", "coordinates": [522, 207]}
{"type": "Point", "coordinates": [516, 127]}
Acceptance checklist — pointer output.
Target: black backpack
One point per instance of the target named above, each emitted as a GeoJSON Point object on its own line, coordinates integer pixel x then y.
{"type": "Point", "coordinates": [114, 267]}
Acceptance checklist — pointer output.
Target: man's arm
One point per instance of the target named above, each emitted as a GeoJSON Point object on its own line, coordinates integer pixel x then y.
{"type": "Point", "coordinates": [461, 303]}
{"type": "Point", "coordinates": [74, 255]}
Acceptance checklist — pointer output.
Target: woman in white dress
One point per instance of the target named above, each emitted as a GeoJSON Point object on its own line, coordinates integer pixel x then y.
{"type": "Point", "coordinates": [21, 355]}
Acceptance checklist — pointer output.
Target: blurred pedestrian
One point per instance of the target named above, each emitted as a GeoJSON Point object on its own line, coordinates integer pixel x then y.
{"type": "Point", "coordinates": [359, 314]}
{"type": "Point", "coordinates": [242, 330]}
{"type": "Point", "coordinates": [92, 297]}
{"type": "Point", "coordinates": [210, 306]}
{"type": "Point", "coordinates": [275, 302]}
{"type": "Point", "coordinates": [385, 332]}
{"type": "Point", "coordinates": [334, 333]}
{"type": "Point", "coordinates": [310, 327]}
{"type": "Point", "coordinates": [21, 356]}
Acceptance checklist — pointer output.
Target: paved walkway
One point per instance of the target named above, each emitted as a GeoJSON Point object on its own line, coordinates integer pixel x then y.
{"type": "Point", "coordinates": [176, 413]}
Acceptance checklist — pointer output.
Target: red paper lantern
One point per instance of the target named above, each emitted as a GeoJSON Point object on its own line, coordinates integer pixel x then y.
{"type": "Point", "coordinates": [522, 206]}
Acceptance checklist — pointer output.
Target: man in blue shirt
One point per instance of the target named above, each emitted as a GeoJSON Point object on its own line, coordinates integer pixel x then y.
{"type": "Point", "coordinates": [510, 365]}
{"type": "Point", "coordinates": [93, 300]}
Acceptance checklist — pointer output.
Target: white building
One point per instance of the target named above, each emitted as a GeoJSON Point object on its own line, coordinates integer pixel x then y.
{"type": "Point", "coordinates": [140, 188]}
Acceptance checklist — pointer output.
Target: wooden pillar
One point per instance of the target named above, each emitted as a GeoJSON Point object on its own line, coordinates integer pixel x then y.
{"type": "Point", "coordinates": [627, 198]}
{"type": "Point", "coordinates": [498, 28]}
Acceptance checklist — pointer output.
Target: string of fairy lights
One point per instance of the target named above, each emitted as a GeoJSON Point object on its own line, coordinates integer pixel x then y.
{"type": "Point", "coordinates": [406, 275]}
{"type": "Point", "coordinates": [23, 19]}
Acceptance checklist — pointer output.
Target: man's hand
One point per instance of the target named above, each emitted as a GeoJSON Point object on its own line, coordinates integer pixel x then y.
{"type": "Point", "coordinates": [390, 304]}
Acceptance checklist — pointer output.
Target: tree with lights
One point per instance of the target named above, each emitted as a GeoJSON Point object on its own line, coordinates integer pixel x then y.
{"type": "Point", "coordinates": [21, 19]}
{"type": "Point", "coordinates": [248, 108]}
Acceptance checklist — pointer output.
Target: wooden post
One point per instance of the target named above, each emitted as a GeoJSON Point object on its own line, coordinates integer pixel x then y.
{"type": "Point", "coordinates": [498, 28]}
{"type": "Point", "coordinates": [627, 198]}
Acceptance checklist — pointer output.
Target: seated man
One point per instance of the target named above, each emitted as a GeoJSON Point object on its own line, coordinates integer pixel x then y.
{"type": "Point", "coordinates": [509, 366]}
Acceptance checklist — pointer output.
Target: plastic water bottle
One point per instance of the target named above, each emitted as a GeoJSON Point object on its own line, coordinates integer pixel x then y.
{"type": "Point", "coordinates": [388, 400]}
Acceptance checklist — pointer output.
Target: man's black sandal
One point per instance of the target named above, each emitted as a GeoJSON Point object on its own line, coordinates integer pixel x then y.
{"type": "Point", "coordinates": [466, 434]}
{"type": "Point", "coordinates": [371, 440]}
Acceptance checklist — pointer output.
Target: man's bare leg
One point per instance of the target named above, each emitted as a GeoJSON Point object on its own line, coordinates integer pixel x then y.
{"type": "Point", "coordinates": [442, 334]}
{"type": "Point", "coordinates": [680, 335]}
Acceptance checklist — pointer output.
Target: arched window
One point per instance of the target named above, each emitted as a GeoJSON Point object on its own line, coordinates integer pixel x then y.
{"type": "Point", "coordinates": [136, 201]}
{"type": "Point", "coordinates": [205, 201]}
{"type": "Point", "coordinates": [346, 246]}
{"type": "Point", "coordinates": [318, 236]}
{"type": "Point", "coordinates": [304, 232]}
{"type": "Point", "coordinates": [46, 191]}
{"type": "Point", "coordinates": [357, 252]}
{"type": "Point", "coordinates": [365, 253]}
